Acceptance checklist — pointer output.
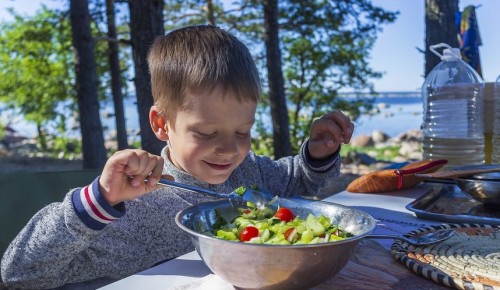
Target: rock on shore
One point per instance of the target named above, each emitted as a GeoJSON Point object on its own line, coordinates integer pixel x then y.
{"type": "Point", "coordinates": [409, 144]}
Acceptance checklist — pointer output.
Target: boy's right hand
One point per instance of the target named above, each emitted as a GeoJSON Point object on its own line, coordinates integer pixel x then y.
{"type": "Point", "coordinates": [129, 174]}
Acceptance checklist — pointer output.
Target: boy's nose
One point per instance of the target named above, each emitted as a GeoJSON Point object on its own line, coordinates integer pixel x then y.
{"type": "Point", "coordinates": [227, 145]}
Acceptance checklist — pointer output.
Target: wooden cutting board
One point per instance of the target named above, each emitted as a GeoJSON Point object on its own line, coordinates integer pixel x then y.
{"type": "Point", "coordinates": [373, 267]}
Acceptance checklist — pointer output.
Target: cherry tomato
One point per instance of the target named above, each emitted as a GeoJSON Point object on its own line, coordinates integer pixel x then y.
{"type": "Point", "coordinates": [248, 233]}
{"type": "Point", "coordinates": [284, 214]}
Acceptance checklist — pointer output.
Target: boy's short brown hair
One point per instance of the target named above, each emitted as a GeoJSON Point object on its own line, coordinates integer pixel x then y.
{"type": "Point", "coordinates": [200, 58]}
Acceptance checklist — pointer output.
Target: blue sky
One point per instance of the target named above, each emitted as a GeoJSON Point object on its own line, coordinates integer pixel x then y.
{"type": "Point", "coordinates": [395, 52]}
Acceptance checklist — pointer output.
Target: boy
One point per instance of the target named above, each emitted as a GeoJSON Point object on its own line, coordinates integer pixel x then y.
{"type": "Point", "coordinates": [206, 88]}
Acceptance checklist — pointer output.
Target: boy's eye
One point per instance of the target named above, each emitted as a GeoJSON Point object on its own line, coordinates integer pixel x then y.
{"type": "Point", "coordinates": [206, 136]}
{"type": "Point", "coordinates": [214, 134]}
{"type": "Point", "coordinates": [243, 134]}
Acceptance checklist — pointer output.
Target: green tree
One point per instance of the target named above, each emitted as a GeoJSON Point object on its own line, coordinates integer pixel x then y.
{"type": "Point", "coordinates": [110, 21]}
{"type": "Point", "coordinates": [36, 58]}
{"type": "Point", "coordinates": [146, 22]}
{"type": "Point", "coordinates": [116, 79]}
{"type": "Point", "coordinates": [180, 13]}
{"type": "Point", "coordinates": [277, 98]}
{"type": "Point", "coordinates": [38, 71]}
{"type": "Point", "coordinates": [326, 45]}
{"type": "Point", "coordinates": [94, 152]}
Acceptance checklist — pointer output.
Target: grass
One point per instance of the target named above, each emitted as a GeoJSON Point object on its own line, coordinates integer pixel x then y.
{"type": "Point", "coordinates": [384, 153]}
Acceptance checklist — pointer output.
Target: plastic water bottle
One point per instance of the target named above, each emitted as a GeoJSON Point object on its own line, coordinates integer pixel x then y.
{"type": "Point", "coordinates": [453, 115]}
{"type": "Point", "coordinates": [495, 157]}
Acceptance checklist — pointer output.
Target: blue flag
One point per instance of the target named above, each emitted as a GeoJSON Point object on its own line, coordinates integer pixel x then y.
{"type": "Point", "coordinates": [468, 37]}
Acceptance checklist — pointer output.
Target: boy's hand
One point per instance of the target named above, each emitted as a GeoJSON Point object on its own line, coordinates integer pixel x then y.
{"type": "Point", "coordinates": [129, 174]}
{"type": "Point", "coordinates": [328, 132]}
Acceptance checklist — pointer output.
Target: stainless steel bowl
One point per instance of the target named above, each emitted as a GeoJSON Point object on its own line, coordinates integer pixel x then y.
{"type": "Point", "coordinates": [253, 266]}
{"type": "Point", "coordinates": [484, 187]}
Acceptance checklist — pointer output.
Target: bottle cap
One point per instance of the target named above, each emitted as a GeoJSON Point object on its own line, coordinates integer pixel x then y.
{"type": "Point", "coordinates": [449, 53]}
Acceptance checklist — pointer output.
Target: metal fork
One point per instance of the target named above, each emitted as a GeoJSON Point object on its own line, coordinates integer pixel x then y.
{"type": "Point", "coordinates": [238, 197]}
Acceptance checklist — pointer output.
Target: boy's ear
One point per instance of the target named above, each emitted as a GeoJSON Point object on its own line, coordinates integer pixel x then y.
{"type": "Point", "coordinates": [158, 124]}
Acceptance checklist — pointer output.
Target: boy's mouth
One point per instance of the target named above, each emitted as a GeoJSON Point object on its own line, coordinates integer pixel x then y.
{"type": "Point", "coordinates": [219, 166]}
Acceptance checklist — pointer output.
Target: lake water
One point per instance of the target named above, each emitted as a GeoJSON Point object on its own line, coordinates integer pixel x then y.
{"type": "Point", "coordinates": [397, 115]}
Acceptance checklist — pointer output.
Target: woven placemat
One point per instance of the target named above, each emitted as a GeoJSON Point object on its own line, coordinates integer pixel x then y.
{"type": "Point", "coordinates": [468, 260]}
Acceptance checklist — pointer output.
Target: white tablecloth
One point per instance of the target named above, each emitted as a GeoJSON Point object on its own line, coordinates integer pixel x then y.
{"type": "Point", "coordinates": [189, 272]}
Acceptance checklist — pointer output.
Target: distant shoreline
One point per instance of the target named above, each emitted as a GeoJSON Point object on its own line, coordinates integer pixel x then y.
{"type": "Point", "coordinates": [387, 94]}
{"type": "Point", "coordinates": [397, 112]}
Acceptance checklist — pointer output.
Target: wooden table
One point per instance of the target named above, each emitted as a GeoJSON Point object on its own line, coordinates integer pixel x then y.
{"type": "Point", "coordinates": [372, 266]}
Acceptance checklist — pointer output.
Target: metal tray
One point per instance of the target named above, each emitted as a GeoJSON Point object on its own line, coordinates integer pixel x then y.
{"type": "Point", "coordinates": [447, 203]}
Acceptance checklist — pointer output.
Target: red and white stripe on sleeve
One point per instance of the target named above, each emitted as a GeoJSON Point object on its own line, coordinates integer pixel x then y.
{"type": "Point", "coordinates": [92, 207]}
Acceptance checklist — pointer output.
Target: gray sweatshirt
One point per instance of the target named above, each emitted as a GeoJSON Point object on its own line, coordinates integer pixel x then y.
{"type": "Point", "coordinates": [83, 238]}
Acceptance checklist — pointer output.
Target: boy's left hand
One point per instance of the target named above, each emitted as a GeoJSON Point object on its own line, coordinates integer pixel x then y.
{"type": "Point", "coordinates": [328, 132]}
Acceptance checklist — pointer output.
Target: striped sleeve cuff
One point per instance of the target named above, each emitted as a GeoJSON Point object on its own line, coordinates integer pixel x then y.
{"type": "Point", "coordinates": [93, 209]}
{"type": "Point", "coordinates": [319, 166]}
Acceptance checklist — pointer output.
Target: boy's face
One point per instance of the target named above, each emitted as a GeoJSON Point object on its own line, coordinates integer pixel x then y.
{"type": "Point", "coordinates": [212, 135]}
